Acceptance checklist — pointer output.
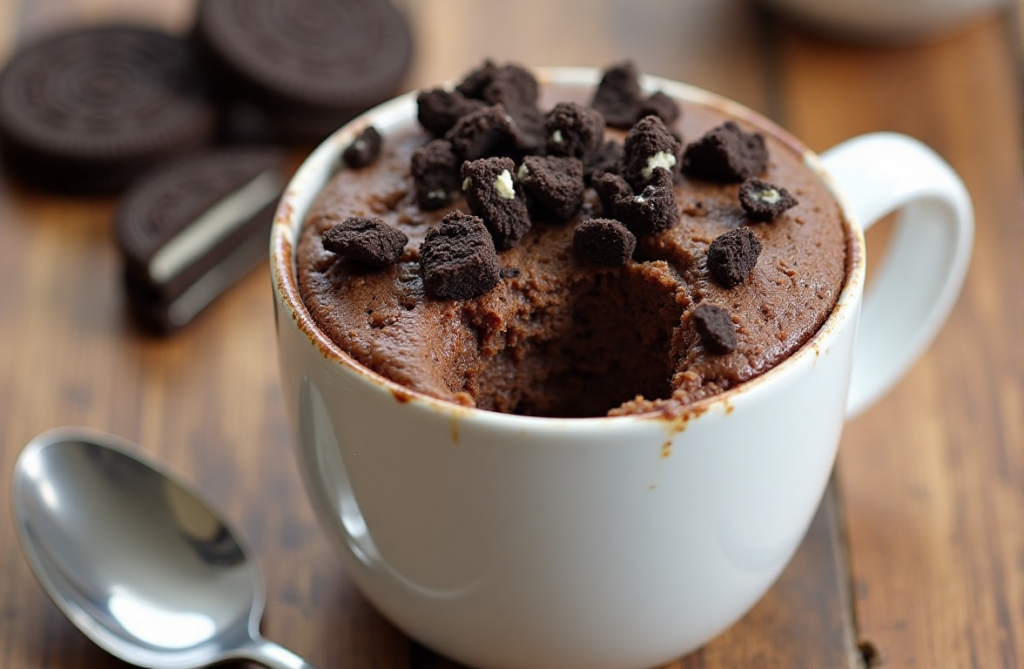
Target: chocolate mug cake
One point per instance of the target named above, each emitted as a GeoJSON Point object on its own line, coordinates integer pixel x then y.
{"type": "Point", "coordinates": [550, 252]}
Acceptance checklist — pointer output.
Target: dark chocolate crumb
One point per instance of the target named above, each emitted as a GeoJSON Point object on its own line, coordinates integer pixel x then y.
{"type": "Point", "coordinates": [606, 160]}
{"type": "Point", "coordinates": [367, 241]}
{"type": "Point", "coordinates": [662, 106]}
{"type": "Point", "coordinates": [653, 210]}
{"type": "Point", "coordinates": [618, 95]}
{"type": "Point", "coordinates": [648, 145]}
{"type": "Point", "coordinates": [438, 109]}
{"type": "Point", "coordinates": [482, 133]}
{"type": "Point", "coordinates": [474, 83]}
{"type": "Point", "coordinates": [715, 328]}
{"type": "Point", "coordinates": [364, 149]}
{"type": "Point", "coordinates": [604, 241]}
{"type": "Point", "coordinates": [611, 188]}
{"type": "Point", "coordinates": [732, 256]}
{"type": "Point", "coordinates": [512, 86]}
{"type": "Point", "coordinates": [435, 172]}
{"type": "Point", "coordinates": [492, 195]}
{"type": "Point", "coordinates": [573, 130]}
{"type": "Point", "coordinates": [726, 154]}
{"type": "Point", "coordinates": [554, 183]}
{"type": "Point", "coordinates": [510, 272]}
{"type": "Point", "coordinates": [764, 201]}
{"type": "Point", "coordinates": [457, 259]}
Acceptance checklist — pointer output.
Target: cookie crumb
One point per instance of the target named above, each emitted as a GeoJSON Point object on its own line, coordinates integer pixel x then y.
{"type": "Point", "coordinates": [764, 201]}
{"type": "Point", "coordinates": [606, 160]}
{"type": "Point", "coordinates": [726, 154]}
{"type": "Point", "coordinates": [653, 210]}
{"type": "Point", "coordinates": [364, 149]}
{"type": "Point", "coordinates": [573, 130]}
{"type": "Point", "coordinates": [715, 328]}
{"type": "Point", "coordinates": [554, 183]}
{"type": "Point", "coordinates": [618, 95]}
{"type": "Point", "coordinates": [438, 110]}
{"type": "Point", "coordinates": [661, 105]}
{"type": "Point", "coordinates": [368, 241]}
{"type": "Point", "coordinates": [435, 173]}
{"type": "Point", "coordinates": [482, 133]}
{"type": "Point", "coordinates": [732, 256]}
{"type": "Point", "coordinates": [649, 145]}
{"type": "Point", "coordinates": [491, 195]}
{"type": "Point", "coordinates": [458, 260]}
{"type": "Point", "coordinates": [604, 241]}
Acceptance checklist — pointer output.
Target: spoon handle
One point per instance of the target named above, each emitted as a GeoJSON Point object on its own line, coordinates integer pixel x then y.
{"type": "Point", "coordinates": [271, 655]}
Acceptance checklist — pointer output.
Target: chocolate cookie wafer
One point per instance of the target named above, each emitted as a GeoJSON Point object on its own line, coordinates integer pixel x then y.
{"type": "Point", "coordinates": [87, 111]}
{"type": "Point", "coordinates": [194, 227]}
{"type": "Point", "coordinates": [298, 70]}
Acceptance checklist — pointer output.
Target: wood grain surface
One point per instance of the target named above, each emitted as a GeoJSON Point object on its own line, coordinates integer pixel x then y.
{"type": "Point", "coordinates": [916, 556]}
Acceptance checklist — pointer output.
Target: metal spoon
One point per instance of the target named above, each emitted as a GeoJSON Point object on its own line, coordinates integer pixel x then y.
{"type": "Point", "coordinates": [136, 559]}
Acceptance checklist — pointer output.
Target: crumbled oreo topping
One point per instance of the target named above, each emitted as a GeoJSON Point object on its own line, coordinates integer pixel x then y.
{"type": "Point", "coordinates": [364, 149]}
{"type": "Point", "coordinates": [435, 173]}
{"type": "Point", "coordinates": [726, 154]}
{"type": "Point", "coordinates": [515, 89]}
{"type": "Point", "coordinates": [649, 145]}
{"type": "Point", "coordinates": [604, 241]}
{"type": "Point", "coordinates": [438, 109]}
{"type": "Point", "coordinates": [573, 130]}
{"type": "Point", "coordinates": [764, 201]}
{"type": "Point", "coordinates": [483, 133]}
{"type": "Point", "coordinates": [458, 260]}
{"type": "Point", "coordinates": [606, 160]}
{"type": "Point", "coordinates": [653, 210]}
{"type": "Point", "coordinates": [715, 328]}
{"type": "Point", "coordinates": [732, 256]}
{"type": "Point", "coordinates": [368, 241]}
{"type": "Point", "coordinates": [491, 194]}
{"type": "Point", "coordinates": [662, 106]}
{"type": "Point", "coordinates": [553, 183]}
{"type": "Point", "coordinates": [618, 95]}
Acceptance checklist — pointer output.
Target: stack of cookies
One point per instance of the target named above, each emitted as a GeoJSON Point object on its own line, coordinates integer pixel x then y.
{"type": "Point", "coordinates": [191, 127]}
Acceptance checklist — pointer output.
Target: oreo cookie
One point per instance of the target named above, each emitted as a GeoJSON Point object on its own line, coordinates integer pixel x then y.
{"type": "Point", "coordinates": [297, 70]}
{"type": "Point", "coordinates": [192, 228]}
{"type": "Point", "coordinates": [87, 111]}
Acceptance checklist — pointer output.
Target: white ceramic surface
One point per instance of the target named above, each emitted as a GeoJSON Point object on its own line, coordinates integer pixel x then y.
{"type": "Point", "coordinates": [513, 542]}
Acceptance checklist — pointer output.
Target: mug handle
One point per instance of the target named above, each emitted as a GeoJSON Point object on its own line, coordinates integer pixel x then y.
{"type": "Point", "coordinates": [924, 266]}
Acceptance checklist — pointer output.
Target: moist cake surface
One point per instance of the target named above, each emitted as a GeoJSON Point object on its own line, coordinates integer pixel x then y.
{"type": "Point", "coordinates": [559, 334]}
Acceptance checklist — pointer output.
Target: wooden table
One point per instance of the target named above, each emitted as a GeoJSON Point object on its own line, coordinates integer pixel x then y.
{"type": "Point", "coordinates": [915, 558]}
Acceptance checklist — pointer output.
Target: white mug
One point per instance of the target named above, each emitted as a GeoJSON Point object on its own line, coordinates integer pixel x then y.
{"type": "Point", "coordinates": [516, 542]}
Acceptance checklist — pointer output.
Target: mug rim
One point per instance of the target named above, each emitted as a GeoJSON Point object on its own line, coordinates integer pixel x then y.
{"type": "Point", "coordinates": [322, 164]}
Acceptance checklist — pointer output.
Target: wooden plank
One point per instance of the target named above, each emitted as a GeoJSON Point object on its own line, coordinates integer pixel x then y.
{"type": "Point", "coordinates": [207, 400]}
{"type": "Point", "coordinates": [931, 477]}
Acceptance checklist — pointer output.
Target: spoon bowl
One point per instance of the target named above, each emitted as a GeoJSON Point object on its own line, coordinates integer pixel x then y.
{"type": "Point", "coordinates": [138, 560]}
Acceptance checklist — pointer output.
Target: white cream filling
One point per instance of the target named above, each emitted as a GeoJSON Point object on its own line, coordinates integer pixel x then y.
{"type": "Point", "coordinates": [665, 159]}
{"type": "Point", "coordinates": [215, 224]}
{"type": "Point", "coordinates": [769, 196]}
{"type": "Point", "coordinates": [503, 186]}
